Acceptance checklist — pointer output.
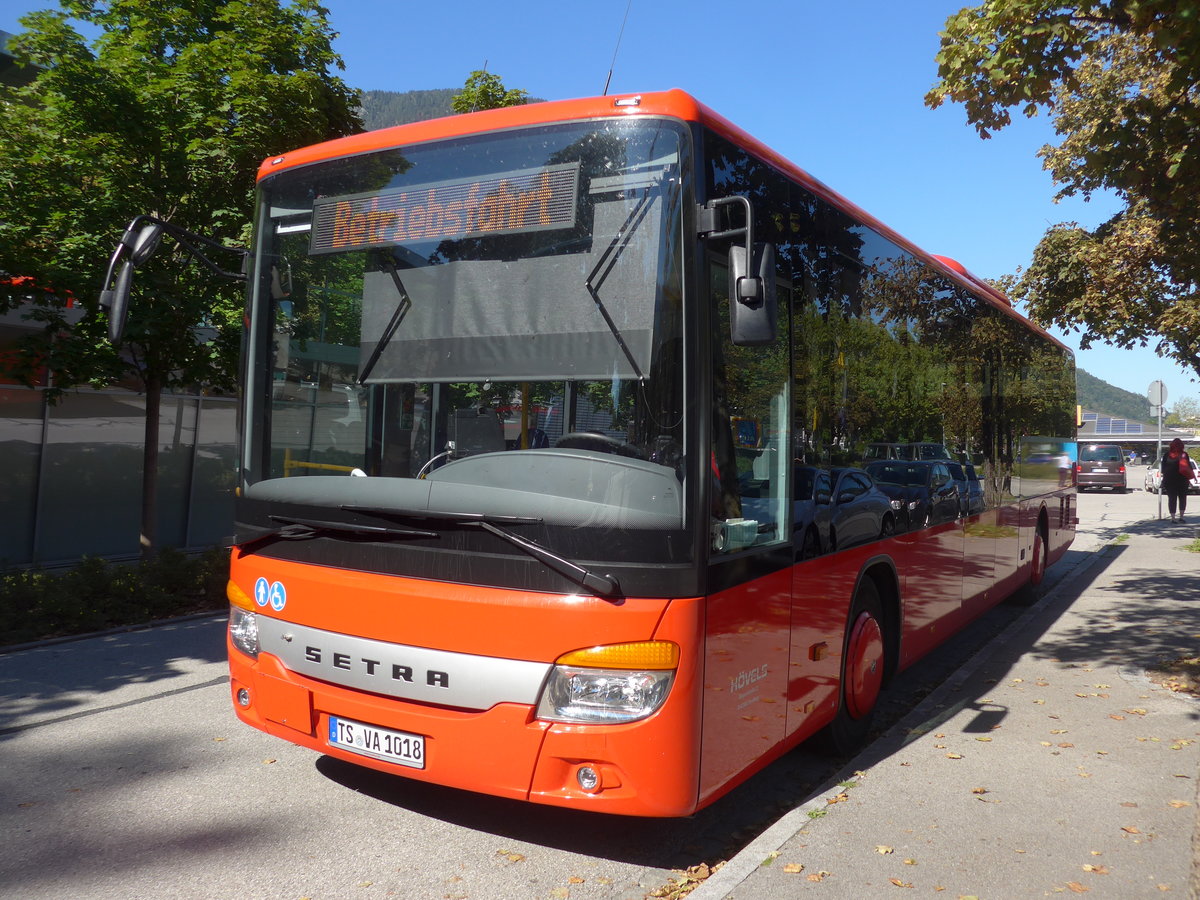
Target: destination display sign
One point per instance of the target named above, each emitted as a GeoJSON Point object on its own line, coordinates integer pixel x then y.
{"type": "Point", "coordinates": [504, 203]}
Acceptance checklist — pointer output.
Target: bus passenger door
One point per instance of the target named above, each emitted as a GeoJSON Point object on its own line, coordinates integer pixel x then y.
{"type": "Point", "coordinates": [748, 612]}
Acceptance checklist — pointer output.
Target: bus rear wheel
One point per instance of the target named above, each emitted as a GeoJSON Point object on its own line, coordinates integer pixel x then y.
{"type": "Point", "coordinates": [864, 664]}
{"type": "Point", "coordinates": [1031, 592]}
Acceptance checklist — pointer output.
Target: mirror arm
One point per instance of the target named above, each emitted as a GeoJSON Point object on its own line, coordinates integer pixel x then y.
{"type": "Point", "coordinates": [707, 221]}
{"type": "Point", "coordinates": [138, 244]}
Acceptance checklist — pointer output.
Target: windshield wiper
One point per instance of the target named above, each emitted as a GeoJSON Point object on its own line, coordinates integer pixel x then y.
{"type": "Point", "coordinates": [608, 261]}
{"type": "Point", "coordinates": [295, 529]}
{"type": "Point", "coordinates": [398, 315]}
{"type": "Point", "coordinates": [604, 585]}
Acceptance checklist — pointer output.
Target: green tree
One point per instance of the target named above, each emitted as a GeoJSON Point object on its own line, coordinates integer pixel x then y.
{"type": "Point", "coordinates": [1117, 77]}
{"type": "Point", "coordinates": [483, 90]}
{"type": "Point", "coordinates": [168, 110]}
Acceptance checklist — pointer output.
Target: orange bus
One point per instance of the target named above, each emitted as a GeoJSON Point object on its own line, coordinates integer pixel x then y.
{"type": "Point", "coordinates": [553, 469]}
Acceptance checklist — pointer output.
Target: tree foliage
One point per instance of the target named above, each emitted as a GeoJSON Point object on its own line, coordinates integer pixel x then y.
{"type": "Point", "coordinates": [383, 109]}
{"type": "Point", "coordinates": [483, 90]}
{"type": "Point", "coordinates": [168, 110]}
{"type": "Point", "coordinates": [1185, 412]}
{"type": "Point", "coordinates": [1118, 78]}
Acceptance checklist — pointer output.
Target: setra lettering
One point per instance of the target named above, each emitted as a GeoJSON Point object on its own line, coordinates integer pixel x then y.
{"type": "Point", "coordinates": [374, 668]}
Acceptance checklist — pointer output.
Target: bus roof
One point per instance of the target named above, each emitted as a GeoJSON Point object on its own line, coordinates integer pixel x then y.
{"type": "Point", "coordinates": [675, 104]}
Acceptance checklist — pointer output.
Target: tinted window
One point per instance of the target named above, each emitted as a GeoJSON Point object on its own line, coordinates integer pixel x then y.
{"type": "Point", "coordinates": [1102, 453]}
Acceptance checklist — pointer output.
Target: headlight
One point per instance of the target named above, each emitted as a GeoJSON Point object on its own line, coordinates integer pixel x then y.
{"type": "Point", "coordinates": [610, 684]}
{"type": "Point", "coordinates": [896, 504]}
{"type": "Point", "coordinates": [243, 630]}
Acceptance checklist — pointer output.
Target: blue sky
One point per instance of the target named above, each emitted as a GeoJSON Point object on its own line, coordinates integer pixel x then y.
{"type": "Point", "coordinates": [837, 88]}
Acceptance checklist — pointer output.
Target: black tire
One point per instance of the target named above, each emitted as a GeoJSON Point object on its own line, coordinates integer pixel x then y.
{"type": "Point", "coordinates": [1034, 589]}
{"type": "Point", "coordinates": [856, 707]}
{"type": "Point", "coordinates": [811, 547]}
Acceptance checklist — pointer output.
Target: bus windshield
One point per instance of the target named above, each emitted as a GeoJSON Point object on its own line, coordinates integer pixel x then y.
{"type": "Point", "coordinates": [425, 306]}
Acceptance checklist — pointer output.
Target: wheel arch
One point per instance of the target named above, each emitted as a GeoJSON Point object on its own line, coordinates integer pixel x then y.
{"type": "Point", "coordinates": [882, 571]}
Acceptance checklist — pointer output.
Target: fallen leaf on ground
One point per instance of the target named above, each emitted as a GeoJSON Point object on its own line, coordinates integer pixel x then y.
{"type": "Point", "coordinates": [793, 868]}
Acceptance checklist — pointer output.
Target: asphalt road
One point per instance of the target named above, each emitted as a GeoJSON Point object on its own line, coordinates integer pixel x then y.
{"type": "Point", "coordinates": [126, 775]}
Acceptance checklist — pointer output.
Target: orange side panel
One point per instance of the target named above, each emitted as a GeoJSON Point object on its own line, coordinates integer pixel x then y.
{"type": "Point", "coordinates": [746, 678]}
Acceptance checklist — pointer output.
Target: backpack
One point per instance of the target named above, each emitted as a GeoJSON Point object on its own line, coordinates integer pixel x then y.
{"type": "Point", "coordinates": [1185, 467]}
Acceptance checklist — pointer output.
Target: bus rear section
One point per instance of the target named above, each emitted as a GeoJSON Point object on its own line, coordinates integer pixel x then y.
{"type": "Point", "coordinates": [555, 435]}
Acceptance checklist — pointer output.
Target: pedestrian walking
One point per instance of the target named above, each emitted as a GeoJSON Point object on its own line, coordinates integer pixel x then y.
{"type": "Point", "coordinates": [1177, 473]}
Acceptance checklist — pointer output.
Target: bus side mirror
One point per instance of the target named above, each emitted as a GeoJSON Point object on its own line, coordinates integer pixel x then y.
{"type": "Point", "coordinates": [753, 306]}
{"type": "Point", "coordinates": [116, 302]}
{"type": "Point", "coordinates": [136, 247]}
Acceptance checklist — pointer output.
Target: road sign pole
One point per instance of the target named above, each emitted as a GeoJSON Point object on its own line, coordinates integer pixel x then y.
{"type": "Point", "coordinates": [1157, 395]}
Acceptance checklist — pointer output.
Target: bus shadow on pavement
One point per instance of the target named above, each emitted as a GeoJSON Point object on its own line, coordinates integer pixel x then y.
{"type": "Point", "coordinates": [716, 832]}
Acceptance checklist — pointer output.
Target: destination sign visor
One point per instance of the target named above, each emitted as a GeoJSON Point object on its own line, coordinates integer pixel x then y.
{"type": "Point", "coordinates": [506, 203]}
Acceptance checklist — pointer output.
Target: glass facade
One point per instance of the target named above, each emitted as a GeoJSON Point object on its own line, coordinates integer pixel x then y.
{"type": "Point", "coordinates": [72, 481]}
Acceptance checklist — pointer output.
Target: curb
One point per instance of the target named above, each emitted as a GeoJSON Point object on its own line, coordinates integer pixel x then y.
{"type": "Point", "coordinates": [120, 629]}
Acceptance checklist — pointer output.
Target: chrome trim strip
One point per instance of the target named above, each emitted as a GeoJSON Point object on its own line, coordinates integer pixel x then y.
{"type": "Point", "coordinates": [442, 677]}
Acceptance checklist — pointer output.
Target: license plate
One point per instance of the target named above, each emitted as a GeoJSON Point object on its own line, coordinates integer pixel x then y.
{"type": "Point", "coordinates": [1105, 471]}
{"type": "Point", "coordinates": [381, 743]}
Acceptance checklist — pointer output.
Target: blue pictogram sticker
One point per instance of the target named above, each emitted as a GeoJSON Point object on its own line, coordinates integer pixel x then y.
{"type": "Point", "coordinates": [262, 592]}
{"type": "Point", "coordinates": [278, 596]}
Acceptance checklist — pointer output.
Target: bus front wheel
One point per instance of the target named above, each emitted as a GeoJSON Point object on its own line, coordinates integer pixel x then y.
{"type": "Point", "coordinates": [863, 668]}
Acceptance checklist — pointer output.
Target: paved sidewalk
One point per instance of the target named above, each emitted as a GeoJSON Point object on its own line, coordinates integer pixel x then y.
{"type": "Point", "coordinates": [1049, 765]}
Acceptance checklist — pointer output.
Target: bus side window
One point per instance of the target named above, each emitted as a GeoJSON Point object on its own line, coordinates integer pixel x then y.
{"type": "Point", "coordinates": [750, 440]}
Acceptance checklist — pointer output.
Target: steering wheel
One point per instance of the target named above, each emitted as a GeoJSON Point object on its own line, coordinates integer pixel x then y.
{"type": "Point", "coordinates": [592, 440]}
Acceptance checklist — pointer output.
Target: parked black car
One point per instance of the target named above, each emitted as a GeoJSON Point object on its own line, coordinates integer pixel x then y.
{"type": "Point", "coordinates": [860, 511]}
{"type": "Point", "coordinates": [975, 494]}
{"type": "Point", "coordinates": [924, 492]}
